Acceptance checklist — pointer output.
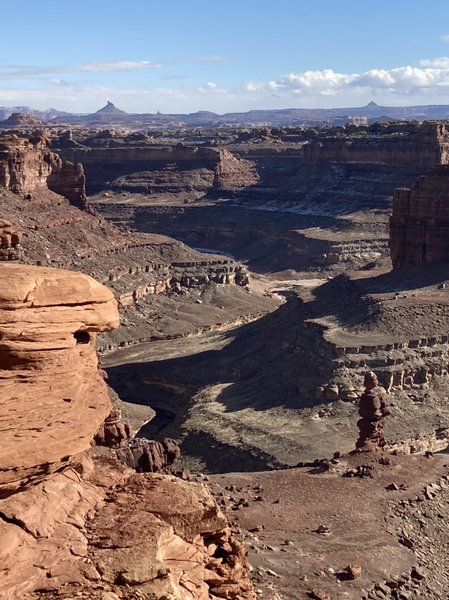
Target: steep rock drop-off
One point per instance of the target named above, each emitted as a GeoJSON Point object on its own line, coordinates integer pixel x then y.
{"type": "Point", "coordinates": [28, 164]}
{"type": "Point", "coordinates": [159, 169]}
{"type": "Point", "coordinates": [165, 287]}
{"type": "Point", "coordinates": [308, 199]}
{"type": "Point", "coordinates": [282, 389]}
{"type": "Point", "coordinates": [249, 388]}
{"type": "Point", "coordinates": [70, 525]}
{"type": "Point", "coordinates": [419, 225]}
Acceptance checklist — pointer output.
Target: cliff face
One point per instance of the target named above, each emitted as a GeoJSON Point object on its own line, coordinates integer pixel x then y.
{"type": "Point", "coordinates": [161, 169]}
{"type": "Point", "coordinates": [333, 169]}
{"type": "Point", "coordinates": [71, 525]}
{"type": "Point", "coordinates": [28, 165]}
{"type": "Point", "coordinates": [419, 225]}
{"type": "Point", "coordinates": [138, 268]}
{"type": "Point", "coordinates": [407, 145]}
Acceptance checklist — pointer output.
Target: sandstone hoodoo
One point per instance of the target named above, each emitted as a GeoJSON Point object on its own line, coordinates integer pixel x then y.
{"type": "Point", "coordinates": [49, 375]}
{"type": "Point", "coordinates": [372, 410]}
{"type": "Point", "coordinates": [10, 241]}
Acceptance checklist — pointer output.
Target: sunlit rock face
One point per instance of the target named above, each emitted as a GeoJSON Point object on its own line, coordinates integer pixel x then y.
{"type": "Point", "coordinates": [28, 165]}
{"type": "Point", "coordinates": [53, 399]}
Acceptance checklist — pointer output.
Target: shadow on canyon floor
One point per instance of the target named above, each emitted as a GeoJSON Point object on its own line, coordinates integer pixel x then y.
{"type": "Point", "coordinates": [259, 365]}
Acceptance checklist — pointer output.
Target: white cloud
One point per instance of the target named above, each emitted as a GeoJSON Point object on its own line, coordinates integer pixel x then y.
{"type": "Point", "coordinates": [430, 75]}
{"type": "Point", "coordinates": [75, 88]}
{"type": "Point", "coordinates": [212, 58]}
{"type": "Point", "coordinates": [212, 88]}
{"type": "Point", "coordinates": [94, 66]}
{"type": "Point", "coordinates": [252, 86]}
{"type": "Point", "coordinates": [103, 66]}
{"type": "Point", "coordinates": [435, 63]}
{"type": "Point", "coordinates": [444, 38]}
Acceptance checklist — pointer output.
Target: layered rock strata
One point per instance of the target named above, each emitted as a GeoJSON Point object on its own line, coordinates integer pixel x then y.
{"type": "Point", "coordinates": [323, 169]}
{"type": "Point", "coordinates": [419, 224]}
{"type": "Point", "coordinates": [55, 233]}
{"type": "Point", "coordinates": [156, 169]}
{"type": "Point", "coordinates": [48, 323]}
{"type": "Point", "coordinates": [28, 165]}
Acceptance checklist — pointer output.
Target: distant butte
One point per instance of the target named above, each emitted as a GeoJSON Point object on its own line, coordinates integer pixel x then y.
{"type": "Point", "coordinates": [111, 109]}
{"type": "Point", "coordinates": [286, 117]}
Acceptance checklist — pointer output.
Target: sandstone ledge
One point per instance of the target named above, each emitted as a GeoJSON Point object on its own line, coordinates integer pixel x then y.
{"type": "Point", "coordinates": [109, 531]}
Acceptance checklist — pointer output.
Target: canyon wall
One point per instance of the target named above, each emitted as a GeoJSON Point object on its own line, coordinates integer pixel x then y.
{"type": "Point", "coordinates": [337, 168]}
{"type": "Point", "coordinates": [28, 165]}
{"type": "Point", "coordinates": [158, 169]}
{"type": "Point", "coordinates": [419, 224]}
{"type": "Point", "coordinates": [138, 268]}
{"type": "Point", "coordinates": [420, 145]}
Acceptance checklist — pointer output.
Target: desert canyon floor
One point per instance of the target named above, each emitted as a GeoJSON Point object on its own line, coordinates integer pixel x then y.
{"type": "Point", "coordinates": [259, 274]}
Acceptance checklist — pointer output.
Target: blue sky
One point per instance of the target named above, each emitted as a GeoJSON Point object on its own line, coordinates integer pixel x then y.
{"type": "Point", "coordinates": [224, 56]}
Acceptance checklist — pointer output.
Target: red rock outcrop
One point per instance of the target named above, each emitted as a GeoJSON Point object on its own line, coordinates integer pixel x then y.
{"type": "Point", "coordinates": [53, 397]}
{"type": "Point", "coordinates": [99, 531]}
{"type": "Point", "coordinates": [21, 120]}
{"type": "Point", "coordinates": [419, 224]}
{"type": "Point", "coordinates": [113, 433]}
{"type": "Point", "coordinates": [28, 165]}
{"type": "Point", "coordinates": [68, 180]}
{"type": "Point", "coordinates": [232, 172]}
{"type": "Point", "coordinates": [372, 410]}
{"type": "Point", "coordinates": [168, 539]}
{"type": "Point", "coordinates": [149, 456]}
{"type": "Point", "coordinates": [10, 242]}
{"type": "Point", "coordinates": [140, 454]}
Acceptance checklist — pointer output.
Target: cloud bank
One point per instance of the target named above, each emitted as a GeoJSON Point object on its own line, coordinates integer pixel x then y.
{"type": "Point", "coordinates": [84, 87]}
{"type": "Point", "coordinates": [430, 77]}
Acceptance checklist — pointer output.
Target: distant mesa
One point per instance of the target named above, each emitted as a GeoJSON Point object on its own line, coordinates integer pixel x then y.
{"type": "Point", "coordinates": [286, 117]}
{"type": "Point", "coordinates": [111, 109]}
{"type": "Point", "coordinates": [18, 119]}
